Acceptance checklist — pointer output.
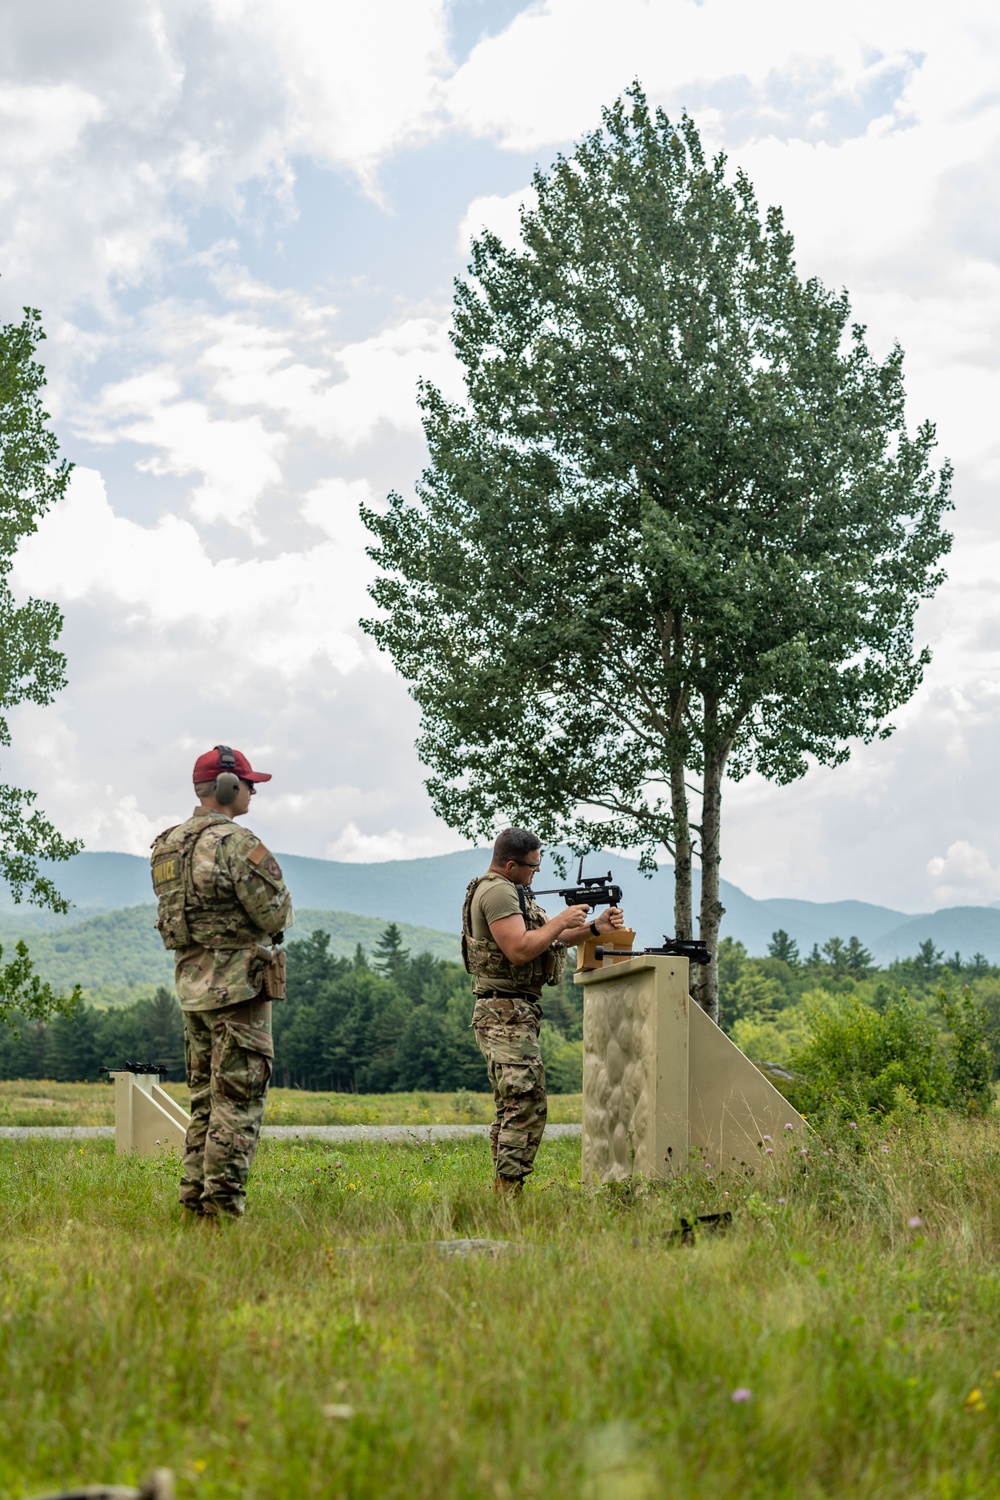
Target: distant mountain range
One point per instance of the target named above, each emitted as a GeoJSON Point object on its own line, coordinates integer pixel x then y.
{"type": "Point", "coordinates": [121, 950]}
{"type": "Point", "coordinates": [425, 897]}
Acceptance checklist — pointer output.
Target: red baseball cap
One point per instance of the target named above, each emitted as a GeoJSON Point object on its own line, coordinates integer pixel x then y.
{"type": "Point", "coordinates": [208, 766]}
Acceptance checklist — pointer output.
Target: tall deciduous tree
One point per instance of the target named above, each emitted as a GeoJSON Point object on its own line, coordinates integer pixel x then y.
{"type": "Point", "coordinates": [32, 670]}
{"type": "Point", "coordinates": [678, 529]}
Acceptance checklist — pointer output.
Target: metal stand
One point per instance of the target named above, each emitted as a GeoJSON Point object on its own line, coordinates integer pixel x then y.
{"type": "Point", "coordinates": [661, 1081]}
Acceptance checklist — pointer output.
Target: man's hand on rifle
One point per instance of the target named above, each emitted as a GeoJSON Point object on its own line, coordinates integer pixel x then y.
{"type": "Point", "coordinates": [580, 927]}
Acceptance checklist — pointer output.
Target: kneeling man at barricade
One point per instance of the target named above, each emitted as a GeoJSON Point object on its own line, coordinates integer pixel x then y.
{"type": "Point", "coordinates": [512, 948]}
{"type": "Point", "coordinates": [221, 899]}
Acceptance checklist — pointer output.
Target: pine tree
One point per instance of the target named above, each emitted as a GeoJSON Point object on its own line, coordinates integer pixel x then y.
{"type": "Point", "coordinates": [391, 958]}
{"type": "Point", "coordinates": [784, 947]}
{"type": "Point", "coordinates": [72, 1053]}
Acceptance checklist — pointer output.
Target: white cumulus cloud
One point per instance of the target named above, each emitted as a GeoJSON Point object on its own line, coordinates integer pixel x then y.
{"type": "Point", "coordinates": [964, 876]}
{"type": "Point", "coordinates": [286, 612]}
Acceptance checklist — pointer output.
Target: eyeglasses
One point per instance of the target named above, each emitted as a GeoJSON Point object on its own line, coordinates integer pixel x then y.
{"type": "Point", "coordinates": [253, 789]}
{"type": "Point", "coordinates": [525, 864]}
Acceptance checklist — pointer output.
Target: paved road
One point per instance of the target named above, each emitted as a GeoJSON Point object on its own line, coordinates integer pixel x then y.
{"type": "Point", "coordinates": [401, 1134]}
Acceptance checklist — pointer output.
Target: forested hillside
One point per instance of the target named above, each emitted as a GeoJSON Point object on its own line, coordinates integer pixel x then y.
{"type": "Point", "coordinates": [394, 1019]}
{"type": "Point", "coordinates": [118, 957]}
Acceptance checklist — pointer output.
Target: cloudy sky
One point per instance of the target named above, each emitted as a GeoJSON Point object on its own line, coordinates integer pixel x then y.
{"type": "Point", "coordinates": [241, 220]}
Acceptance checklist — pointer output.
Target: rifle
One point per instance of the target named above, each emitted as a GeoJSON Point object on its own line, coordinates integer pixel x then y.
{"type": "Point", "coordinates": [693, 949]}
{"type": "Point", "coordinates": [592, 890]}
{"type": "Point", "coordinates": [160, 1069]}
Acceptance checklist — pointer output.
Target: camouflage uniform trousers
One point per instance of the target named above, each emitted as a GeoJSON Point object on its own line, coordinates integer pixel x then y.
{"type": "Point", "coordinates": [229, 1052]}
{"type": "Point", "coordinates": [506, 1032]}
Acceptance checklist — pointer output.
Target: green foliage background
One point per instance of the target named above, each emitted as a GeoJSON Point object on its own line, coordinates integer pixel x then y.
{"type": "Point", "coordinates": [836, 1034]}
{"type": "Point", "coordinates": [357, 1024]}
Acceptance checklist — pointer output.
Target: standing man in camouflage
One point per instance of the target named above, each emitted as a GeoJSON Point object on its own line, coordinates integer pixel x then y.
{"type": "Point", "coordinates": [221, 899]}
{"type": "Point", "coordinates": [512, 948]}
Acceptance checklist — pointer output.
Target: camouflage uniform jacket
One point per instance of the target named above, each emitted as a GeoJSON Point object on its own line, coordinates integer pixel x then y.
{"type": "Point", "coordinates": [486, 960]}
{"type": "Point", "coordinates": [221, 893]}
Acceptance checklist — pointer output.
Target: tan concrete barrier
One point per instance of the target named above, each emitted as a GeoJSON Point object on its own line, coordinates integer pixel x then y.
{"type": "Point", "coordinates": [147, 1119]}
{"type": "Point", "coordinates": [661, 1080]}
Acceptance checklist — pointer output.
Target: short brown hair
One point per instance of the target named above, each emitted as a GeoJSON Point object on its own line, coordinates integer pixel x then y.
{"type": "Point", "coordinates": [514, 843]}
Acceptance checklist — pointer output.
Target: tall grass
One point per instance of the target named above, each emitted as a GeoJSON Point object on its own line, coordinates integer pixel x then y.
{"type": "Point", "coordinates": [42, 1102]}
{"type": "Point", "coordinates": [842, 1339]}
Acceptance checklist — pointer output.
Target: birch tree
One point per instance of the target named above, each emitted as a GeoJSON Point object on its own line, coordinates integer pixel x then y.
{"type": "Point", "coordinates": [676, 532]}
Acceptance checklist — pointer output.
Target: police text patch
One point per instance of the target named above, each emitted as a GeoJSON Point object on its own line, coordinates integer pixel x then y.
{"type": "Point", "coordinates": [166, 872]}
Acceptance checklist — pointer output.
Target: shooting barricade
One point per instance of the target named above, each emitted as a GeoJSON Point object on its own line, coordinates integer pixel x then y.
{"type": "Point", "coordinates": [147, 1119]}
{"type": "Point", "coordinates": [662, 1082]}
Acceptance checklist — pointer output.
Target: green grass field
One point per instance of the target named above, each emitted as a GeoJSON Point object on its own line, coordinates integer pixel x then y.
{"type": "Point", "coordinates": [46, 1103]}
{"type": "Point", "coordinates": [827, 1345]}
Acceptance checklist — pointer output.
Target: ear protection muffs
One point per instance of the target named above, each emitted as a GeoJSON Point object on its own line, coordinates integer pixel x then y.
{"type": "Point", "coordinates": [227, 783]}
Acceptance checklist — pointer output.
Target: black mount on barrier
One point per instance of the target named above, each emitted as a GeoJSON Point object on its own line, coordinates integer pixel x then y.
{"type": "Point", "coordinates": [692, 949]}
{"type": "Point", "coordinates": [134, 1067]}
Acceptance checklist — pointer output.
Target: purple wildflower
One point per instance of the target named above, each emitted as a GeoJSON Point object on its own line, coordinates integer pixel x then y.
{"type": "Point", "coordinates": [741, 1394]}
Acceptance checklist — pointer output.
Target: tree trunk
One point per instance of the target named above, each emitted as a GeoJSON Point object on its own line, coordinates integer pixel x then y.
{"type": "Point", "coordinates": [712, 910]}
{"type": "Point", "coordinates": [683, 904]}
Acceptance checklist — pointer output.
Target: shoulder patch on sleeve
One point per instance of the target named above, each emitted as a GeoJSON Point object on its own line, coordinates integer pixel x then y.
{"type": "Point", "coordinates": [258, 853]}
{"type": "Point", "coordinates": [272, 867]}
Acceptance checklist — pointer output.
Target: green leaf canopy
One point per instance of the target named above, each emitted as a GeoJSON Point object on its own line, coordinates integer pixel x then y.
{"type": "Point", "coordinates": [32, 670]}
{"type": "Point", "coordinates": [678, 528]}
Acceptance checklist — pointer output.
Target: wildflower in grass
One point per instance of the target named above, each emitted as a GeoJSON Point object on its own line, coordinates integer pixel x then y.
{"type": "Point", "coordinates": [852, 1124]}
{"type": "Point", "coordinates": [767, 1138]}
{"type": "Point", "coordinates": [769, 1151]}
{"type": "Point", "coordinates": [885, 1150]}
{"type": "Point", "coordinates": [915, 1221]}
{"type": "Point", "coordinates": [974, 1401]}
{"type": "Point", "coordinates": [741, 1394]}
{"type": "Point", "coordinates": [781, 1200]}
{"type": "Point", "coordinates": [803, 1152]}
{"type": "Point", "coordinates": [789, 1126]}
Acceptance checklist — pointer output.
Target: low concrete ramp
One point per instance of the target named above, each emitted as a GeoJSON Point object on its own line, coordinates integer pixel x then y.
{"type": "Point", "coordinates": [731, 1105]}
{"type": "Point", "coordinates": [147, 1119]}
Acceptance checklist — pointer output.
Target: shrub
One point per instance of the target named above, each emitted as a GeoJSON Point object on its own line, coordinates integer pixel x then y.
{"type": "Point", "coordinates": [857, 1059]}
{"type": "Point", "coordinates": [970, 1056]}
{"type": "Point", "coordinates": [563, 1062]}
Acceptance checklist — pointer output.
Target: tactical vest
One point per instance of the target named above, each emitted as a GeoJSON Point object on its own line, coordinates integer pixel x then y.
{"type": "Point", "coordinates": [187, 917]}
{"type": "Point", "coordinates": [485, 958]}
